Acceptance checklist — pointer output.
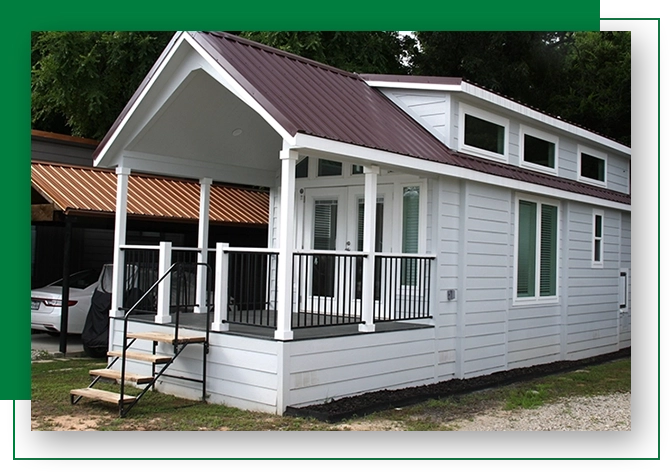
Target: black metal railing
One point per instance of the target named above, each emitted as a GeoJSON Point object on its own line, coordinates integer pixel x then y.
{"type": "Point", "coordinates": [404, 287]}
{"type": "Point", "coordinates": [141, 272]}
{"type": "Point", "coordinates": [252, 288]}
{"type": "Point", "coordinates": [326, 285]}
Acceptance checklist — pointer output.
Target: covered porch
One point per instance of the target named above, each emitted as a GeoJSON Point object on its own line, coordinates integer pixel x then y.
{"type": "Point", "coordinates": [345, 277]}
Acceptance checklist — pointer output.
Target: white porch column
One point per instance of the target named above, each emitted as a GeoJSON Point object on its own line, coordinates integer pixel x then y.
{"type": "Point", "coordinates": [165, 287]}
{"type": "Point", "coordinates": [368, 246]}
{"type": "Point", "coordinates": [122, 176]}
{"type": "Point", "coordinates": [120, 220]}
{"type": "Point", "coordinates": [203, 244]}
{"type": "Point", "coordinates": [221, 289]}
{"type": "Point", "coordinates": [286, 246]}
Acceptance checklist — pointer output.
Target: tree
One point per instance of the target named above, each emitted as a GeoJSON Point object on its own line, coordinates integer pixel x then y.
{"type": "Point", "coordinates": [82, 80]}
{"type": "Point", "coordinates": [597, 86]}
{"type": "Point", "coordinates": [371, 52]}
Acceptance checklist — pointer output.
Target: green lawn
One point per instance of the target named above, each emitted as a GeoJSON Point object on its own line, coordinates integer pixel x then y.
{"type": "Point", "coordinates": [53, 379]}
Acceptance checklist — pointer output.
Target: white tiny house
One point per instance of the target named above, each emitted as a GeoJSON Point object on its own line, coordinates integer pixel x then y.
{"type": "Point", "coordinates": [420, 230]}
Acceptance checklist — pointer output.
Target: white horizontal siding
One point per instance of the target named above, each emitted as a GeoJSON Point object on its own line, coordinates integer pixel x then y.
{"type": "Point", "coordinates": [334, 367]}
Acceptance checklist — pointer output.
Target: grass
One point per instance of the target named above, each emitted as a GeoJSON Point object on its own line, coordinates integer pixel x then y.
{"type": "Point", "coordinates": [53, 379]}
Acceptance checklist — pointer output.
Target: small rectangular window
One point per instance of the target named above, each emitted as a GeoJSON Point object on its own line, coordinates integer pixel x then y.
{"type": "Point", "coordinates": [357, 170]}
{"type": "Point", "coordinates": [328, 168]}
{"type": "Point", "coordinates": [302, 169]}
{"type": "Point", "coordinates": [593, 167]}
{"type": "Point", "coordinates": [623, 290]}
{"type": "Point", "coordinates": [484, 135]}
{"type": "Point", "coordinates": [597, 242]}
{"type": "Point", "coordinates": [539, 151]}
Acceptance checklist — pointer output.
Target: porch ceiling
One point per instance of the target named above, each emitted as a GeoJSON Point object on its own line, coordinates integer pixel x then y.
{"type": "Point", "coordinates": [204, 130]}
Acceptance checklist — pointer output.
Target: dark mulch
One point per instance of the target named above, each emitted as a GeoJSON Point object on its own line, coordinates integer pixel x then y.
{"type": "Point", "coordinates": [367, 403]}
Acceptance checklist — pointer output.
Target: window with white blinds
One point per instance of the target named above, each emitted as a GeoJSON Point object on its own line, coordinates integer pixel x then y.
{"type": "Point", "coordinates": [410, 231]}
{"type": "Point", "coordinates": [536, 250]}
{"type": "Point", "coordinates": [325, 225]}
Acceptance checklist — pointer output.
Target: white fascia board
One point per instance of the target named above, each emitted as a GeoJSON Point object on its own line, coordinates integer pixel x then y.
{"type": "Point", "coordinates": [231, 84]}
{"type": "Point", "coordinates": [328, 148]}
{"type": "Point", "coordinates": [546, 119]}
{"type": "Point", "coordinates": [414, 86]}
{"type": "Point", "coordinates": [138, 101]}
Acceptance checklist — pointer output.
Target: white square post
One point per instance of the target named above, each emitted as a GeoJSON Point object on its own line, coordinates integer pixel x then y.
{"type": "Point", "coordinates": [122, 178]}
{"type": "Point", "coordinates": [221, 296]}
{"type": "Point", "coordinates": [203, 244]}
{"type": "Point", "coordinates": [368, 240]}
{"type": "Point", "coordinates": [284, 274]}
{"type": "Point", "coordinates": [163, 314]}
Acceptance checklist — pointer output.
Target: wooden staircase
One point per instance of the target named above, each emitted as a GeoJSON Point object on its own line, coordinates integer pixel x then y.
{"type": "Point", "coordinates": [123, 401]}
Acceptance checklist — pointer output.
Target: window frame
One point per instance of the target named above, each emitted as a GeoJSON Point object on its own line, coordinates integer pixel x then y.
{"type": "Point", "coordinates": [464, 110]}
{"type": "Point", "coordinates": [624, 272]}
{"type": "Point", "coordinates": [542, 135]}
{"type": "Point", "coordinates": [596, 154]}
{"type": "Point", "coordinates": [597, 263]}
{"type": "Point", "coordinates": [537, 299]}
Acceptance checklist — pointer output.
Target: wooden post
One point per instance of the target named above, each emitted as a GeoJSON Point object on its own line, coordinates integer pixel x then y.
{"type": "Point", "coordinates": [221, 297]}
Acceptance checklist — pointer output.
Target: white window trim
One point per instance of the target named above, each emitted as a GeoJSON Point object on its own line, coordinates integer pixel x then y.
{"type": "Point", "coordinates": [540, 135]}
{"type": "Point", "coordinates": [537, 299]}
{"type": "Point", "coordinates": [626, 308]}
{"type": "Point", "coordinates": [595, 263]}
{"type": "Point", "coordinates": [598, 154]}
{"type": "Point", "coordinates": [465, 109]}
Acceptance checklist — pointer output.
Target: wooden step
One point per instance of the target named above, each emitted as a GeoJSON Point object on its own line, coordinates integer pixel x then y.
{"type": "Point", "coordinates": [141, 356]}
{"type": "Point", "coordinates": [102, 395]}
{"type": "Point", "coordinates": [167, 338]}
{"type": "Point", "coordinates": [116, 375]}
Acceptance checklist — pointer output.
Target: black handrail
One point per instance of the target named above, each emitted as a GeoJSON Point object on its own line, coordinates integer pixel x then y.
{"type": "Point", "coordinates": [175, 266]}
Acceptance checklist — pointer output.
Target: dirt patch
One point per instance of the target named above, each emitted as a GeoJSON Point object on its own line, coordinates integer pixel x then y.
{"type": "Point", "coordinates": [374, 425]}
{"type": "Point", "coordinates": [69, 423]}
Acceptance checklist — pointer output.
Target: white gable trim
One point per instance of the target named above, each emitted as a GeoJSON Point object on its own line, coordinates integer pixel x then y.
{"type": "Point", "coordinates": [138, 101]}
{"type": "Point", "coordinates": [414, 86]}
{"type": "Point", "coordinates": [328, 149]}
{"type": "Point", "coordinates": [216, 71]}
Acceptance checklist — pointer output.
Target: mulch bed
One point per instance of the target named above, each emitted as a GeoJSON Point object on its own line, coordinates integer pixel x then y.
{"type": "Point", "coordinates": [366, 403]}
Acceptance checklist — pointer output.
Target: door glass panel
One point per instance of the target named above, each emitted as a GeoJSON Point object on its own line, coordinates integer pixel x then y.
{"type": "Point", "coordinates": [410, 215]}
{"type": "Point", "coordinates": [378, 245]}
{"type": "Point", "coordinates": [325, 239]}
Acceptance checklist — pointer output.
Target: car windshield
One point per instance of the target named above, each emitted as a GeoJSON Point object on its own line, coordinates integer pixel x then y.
{"type": "Point", "coordinates": [81, 279]}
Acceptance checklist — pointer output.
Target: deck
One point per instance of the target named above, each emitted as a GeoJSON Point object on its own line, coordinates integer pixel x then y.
{"type": "Point", "coordinates": [197, 321]}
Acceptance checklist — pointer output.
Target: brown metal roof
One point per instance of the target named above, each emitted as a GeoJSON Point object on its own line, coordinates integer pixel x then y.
{"type": "Point", "coordinates": [85, 189]}
{"type": "Point", "coordinates": [308, 97]}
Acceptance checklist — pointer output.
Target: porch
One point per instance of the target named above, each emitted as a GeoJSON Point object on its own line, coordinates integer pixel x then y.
{"type": "Point", "coordinates": [235, 290]}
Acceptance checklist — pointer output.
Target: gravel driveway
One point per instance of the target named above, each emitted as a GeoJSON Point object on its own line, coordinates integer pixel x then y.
{"type": "Point", "coordinates": [600, 413]}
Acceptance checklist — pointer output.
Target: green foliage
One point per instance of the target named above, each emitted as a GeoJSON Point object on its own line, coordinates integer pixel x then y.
{"type": "Point", "coordinates": [597, 83]}
{"type": "Point", "coordinates": [82, 80]}
{"type": "Point", "coordinates": [370, 52]}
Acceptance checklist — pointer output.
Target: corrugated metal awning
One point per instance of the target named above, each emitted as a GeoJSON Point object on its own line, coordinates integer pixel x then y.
{"type": "Point", "coordinates": [75, 189]}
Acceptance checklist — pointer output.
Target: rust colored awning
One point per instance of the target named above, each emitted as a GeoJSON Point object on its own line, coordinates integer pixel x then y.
{"type": "Point", "coordinates": [73, 189]}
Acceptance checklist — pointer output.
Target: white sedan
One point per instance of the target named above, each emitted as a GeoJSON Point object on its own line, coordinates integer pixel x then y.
{"type": "Point", "coordinates": [46, 303]}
